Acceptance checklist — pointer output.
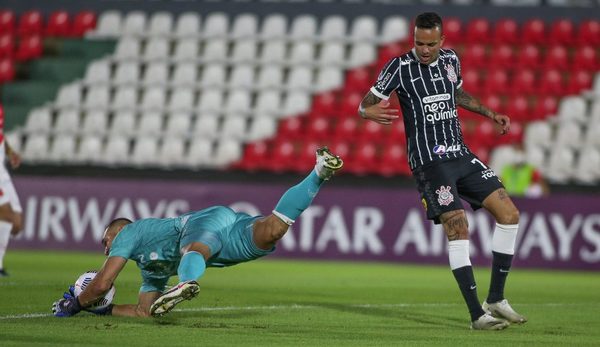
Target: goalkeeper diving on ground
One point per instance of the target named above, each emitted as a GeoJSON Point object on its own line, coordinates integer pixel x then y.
{"type": "Point", "coordinates": [184, 246]}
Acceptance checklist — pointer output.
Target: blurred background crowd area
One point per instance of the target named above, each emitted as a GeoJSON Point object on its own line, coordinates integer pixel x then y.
{"type": "Point", "coordinates": [249, 89]}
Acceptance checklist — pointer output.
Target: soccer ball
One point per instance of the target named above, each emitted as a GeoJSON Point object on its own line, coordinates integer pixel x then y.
{"type": "Point", "coordinates": [83, 282]}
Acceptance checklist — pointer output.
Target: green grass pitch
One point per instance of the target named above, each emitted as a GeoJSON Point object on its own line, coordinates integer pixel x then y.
{"type": "Point", "coordinates": [272, 302]}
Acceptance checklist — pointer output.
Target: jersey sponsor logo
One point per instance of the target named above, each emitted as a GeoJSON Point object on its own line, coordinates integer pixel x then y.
{"type": "Point", "coordinates": [445, 198]}
{"type": "Point", "coordinates": [153, 256]}
{"type": "Point", "coordinates": [451, 73]}
{"type": "Point", "coordinates": [415, 79]}
{"type": "Point", "coordinates": [383, 81]}
{"type": "Point", "coordinates": [441, 149]}
{"type": "Point", "coordinates": [437, 108]}
{"type": "Point", "coordinates": [489, 173]}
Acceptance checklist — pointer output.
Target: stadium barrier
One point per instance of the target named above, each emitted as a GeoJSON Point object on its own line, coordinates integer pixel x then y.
{"type": "Point", "coordinates": [344, 223]}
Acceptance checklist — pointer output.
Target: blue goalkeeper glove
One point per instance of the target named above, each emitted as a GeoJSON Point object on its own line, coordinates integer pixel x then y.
{"type": "Point", "coordinates": [70, 295]}
{"type": "Point", "coordinates": [66, 307]}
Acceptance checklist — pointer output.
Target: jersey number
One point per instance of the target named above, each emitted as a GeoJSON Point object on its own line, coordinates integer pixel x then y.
{"type": "Point", "coordinates": [475, 161]}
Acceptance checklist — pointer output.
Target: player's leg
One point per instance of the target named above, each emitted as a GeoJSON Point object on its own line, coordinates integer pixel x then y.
{"type": "Point", "coordinates": [506, 214]}
{"type": "Point", "coordinates": [6, 226]}
{"type": "Point", "coordinates": [142, 309]}
{"type": "Point", "coordinates": [295, 200]}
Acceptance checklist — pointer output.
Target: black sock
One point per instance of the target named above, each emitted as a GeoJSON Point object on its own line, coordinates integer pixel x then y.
{"type": "Point", "coordinates": [500, 269]}
{"type": "Point", "coordinates": [468, 288]}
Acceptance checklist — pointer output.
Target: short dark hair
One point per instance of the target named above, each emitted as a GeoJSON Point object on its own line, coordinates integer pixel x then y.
{"type": "Point", "coordinates": [428, 20]}
{"type": "Point", "coordinates": [119, 222]}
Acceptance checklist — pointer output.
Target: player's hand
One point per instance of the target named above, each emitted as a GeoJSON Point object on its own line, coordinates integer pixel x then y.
{"type": "Point", "coordinates": [70, 294]}
{"type": "Point", "coordinates": [504, 122]}
{"type": "Point", "coordinates": [15, 159]}
{"type": "Point", "coordinates": [66, 307]}
{"type": "Point", "coordinates": [381, 113]}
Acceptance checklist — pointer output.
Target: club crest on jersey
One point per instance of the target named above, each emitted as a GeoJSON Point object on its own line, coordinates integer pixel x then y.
{"type": "Point", "coordinates": [451, 73]}
{"type": "Point", "coordinates": [445, 198]}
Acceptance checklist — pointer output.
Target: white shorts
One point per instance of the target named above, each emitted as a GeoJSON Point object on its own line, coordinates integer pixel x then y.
{"type": "Point", "coordinates": [8, 194]}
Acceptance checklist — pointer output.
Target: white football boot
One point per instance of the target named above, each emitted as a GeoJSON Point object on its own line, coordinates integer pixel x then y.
{"type": "Point", "coordinates": [487, 322]}
{"type": "Point", "coordinates": [502, 309]}
{"type": "Point", "coordinates": [166, 302]}
{"type": "Point", "coordinates": [327, 163]}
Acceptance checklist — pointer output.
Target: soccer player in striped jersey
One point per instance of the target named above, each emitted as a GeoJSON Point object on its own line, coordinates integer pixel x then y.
{"type": "Point", "coordinates": [184, 246]}
{"type": "Point", "coordinates": [427, 81]}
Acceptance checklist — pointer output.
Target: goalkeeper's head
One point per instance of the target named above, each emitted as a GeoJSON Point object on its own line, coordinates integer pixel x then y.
{"type": "Point", "coordinates": [111, 231]}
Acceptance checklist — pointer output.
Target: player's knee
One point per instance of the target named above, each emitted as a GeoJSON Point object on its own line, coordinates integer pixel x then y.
{"type": "Point", "coordinates": [455, 225]}
{"type": "Point", "coordinates": [509, 217]}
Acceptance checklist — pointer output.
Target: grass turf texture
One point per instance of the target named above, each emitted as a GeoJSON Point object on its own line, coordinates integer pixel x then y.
{"type": "Point", "coordinates": [278, 303]}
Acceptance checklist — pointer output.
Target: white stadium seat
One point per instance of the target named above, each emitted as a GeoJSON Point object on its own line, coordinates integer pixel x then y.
{"type": "Point", "coordinates": [561, 165]}
{"type": "Point", "coordinates": [67, 122]}
{"type": "Point", "coordinates": [227, 152]}
{"type": "Point", "coordinates": [97, 98]}
{"type": "Point", "coordinates": [262, 127]}
{"type": "Point", "coordinates": [301, 53]}
{"type": "Point", "coordinates": [363, 53]}
{"type": "Point", "coordinates": [216, 25]}
{"type": "Point", "coordinates": [109, 25]}
{"type": "Point", "coordinates": [274, 27]}
{"type": "Point", "coordinates": [157, 49]}
{"type": "Point", "coordinates": [171, 153]}
{"type": "Point", "coordinates": [125, 99]}
{"type": "Point", "coordinates": [128, 48]}
{"type": "Point", "coordinates": [98, 72]}
{"type": "Point", "coordinates": [210, 101]}
{"type": "Point", "coordinates": [62, 149]}
{"type": "Point", "coordinates": [156, 73]}
{"type": "Point", "coordinates": [244, 52]}
{"type": "Point", "coordinates": [215, 50]}
{"type": "Point", "coordinates": [89, 149]}
{"type": "Point", "coordinates": [333, 28]}
{"type": "Point", "coordinates": [134, 24]}
{"type": "Point", "coordinates": [587, 168]}
{"type": "Point", "coordinates": [270, 76]}
{"type": "Point", "coordinates": [572, 108]}
{"type": "Point", "coordinates": [364, 29]}
{"type": "Point", "coordinates": [592, 135]}
{"type": "Point", "coordinates": [245, 26]}
{"type": "Point", "coordinates": [234, 127]}
{"type": "Point", "coordinates": [273, 52]}
{"type": "Point", "coordinates": [395, 29]}
{"type": "Point", "coordinates": [242, 77]}
{"type": "Point", "coordinates": [300, 78]}
{"type": "Point", "coordinates": [328, 78]}
{"type": "Point", "coordinates": [200, 153]}
{"type": "Point", "coordinates": [127, 73]}
{"type": "Point", "coordinates": [569, 134]}
{"type": "Point", "coordinates": [188, 25]}
{"type": "Point", "coordinates": [295, 103]}
{"type": "Point", "coordinates": [144, 152]}
{"type": "Point", "coordinates": [332, 54]}
{"type": "Point", "coordinates": [123, 123]}
{"type": "Point", "coordinates": [502, 156]}
{"type": "Point", "coordinates": [186, 50]}
{"type": "Point", "coordinates": [268, 104]}
{"type": "Point", "coordinates": [185, 75]}
{"type": "Point", "coordinates": [536, 156]}
{"type": "Point", "coordinates": [160, 24]}
{"type": "Point", "coordinates": [206, 127]}
{"type": "Point", "coordinates": [94, 122]}
{"type": "Point", "coordinates": [116, 151]}
{"type": "Point", "coordinates": [213, 76]}
{"type": "Point", "coordinates": [238, 103]}
{"type": "Point", "coordinates": [69, 95]}
{"type": "Point", "coordinates": [182, 99]}
{"type": "Point", "coordinates": [303, 28]}
{"type": "Point", "coordinates": [538, 134]}
{"type": "Point", "coordinates": [38, 121]}
{"type": "Point", "coordinates": [153, 99]}
{"type": "Point", "coordinates": [178, 125]}
{"type": "Point", "coordinates": [150, 124]}
{"type": "Point", "coordinates": [36, 148]}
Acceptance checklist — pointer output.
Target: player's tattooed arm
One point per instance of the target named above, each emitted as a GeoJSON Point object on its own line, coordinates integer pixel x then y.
{"type": "Point", "coordinates": [372, 107]}
{"type": "Point", "coordinates": [469, 102]}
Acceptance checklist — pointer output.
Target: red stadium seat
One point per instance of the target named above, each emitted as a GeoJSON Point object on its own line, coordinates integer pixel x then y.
{"type": "Point", "coordinates": [502, 56]}
{"type": "Point", "coordinates": [474, 57]}
{"type": "Point", "coordinates": [325, 104]}
{"type": "Point", "coordinates": [496, 82]}
{"type": "Point", "coordinates": [556, 57]}
{"type": "Point", "coordinates": [346, 129]}
{"type": "Point", "coordinates": [397, 132]}
{"type": "Point", "coordinates": [29, 48]}
{"type": "Point", "coordinates": [255, 155]}
{"type": "Point", "coordinates": [518, 108]}
{"type": "Point", "coordinates": [358, 80]}
{"type": "Point", "coordinates": [515, 135]}
{"type": "Point", "coordinates": [478, 31]}
{"type": "Point", "coordinates": [7, 46]}
{"type": "Point", "coordinates": [484, 134]}
{"type": "Point", "coordinates": [30, 23]}
{"type": "Point", "coordinates": [494, 102]}
{"type": "Point", "coordinates": [482, 152]}
{"type": "Point", "coordinates": [371, 132]}
{"type": "Point", "coordinates": [588, 32]}
{"type": "Point", "coordinates": [7, 70]}
{"type": "Point", "coordinates": [586, 59]}
{"type": "Point", "coordinates": [58, 24]}
{"type": "Point", "coordinates": [318, 128]}
{"type": "Point", "coordinates": [7, 22]}
{"type": "Point", "coordinates": [545, 106]}
{"type": "Point", "coordinates": [579, 81]}
{"type": "Point", "coordinates": [349, 104]}
{"type": "Point", "coordinates": [392, 160]}
{"type": "Point", "coordinates": [84, 21]}
{"type": "Point", "coordinates": [363, 159]}
{"type": "Point", "coordinates": [506, 31]}
{"type": "Point", "coordinates": [291, 128]}
{"type": "Point", "coordinates": [523, 82]}
{"type": "Point", "coordinates": [453, 32]}
{"type": "Point", "coordinates": [562, 32]}
{"type": "Point", "coordinates": [341, 148]}
{"type": "Point", "coordinates": [529, 57]}
{"type": "Point", "coordinates": [471, 80]}
{"type": "Point", "coordinates": [281, 156]}
{"type": "Point", "coordinates": [387, 52]}
{"type": "Point", "coordinates": [305, 159]}
{"type": "Point", "coordinates": [533, 32]}
{"type": "Point", "coordinates": [551, 83]}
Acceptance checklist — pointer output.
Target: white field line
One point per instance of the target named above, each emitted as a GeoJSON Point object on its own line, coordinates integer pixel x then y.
{"type": "Point", "coordinates": [307, 307]}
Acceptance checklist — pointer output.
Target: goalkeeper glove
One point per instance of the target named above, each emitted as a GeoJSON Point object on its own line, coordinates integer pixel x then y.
{"type": "Point", "coordinates": [66, 307]}
{"type": "Point", "coordinates": [107, 311]}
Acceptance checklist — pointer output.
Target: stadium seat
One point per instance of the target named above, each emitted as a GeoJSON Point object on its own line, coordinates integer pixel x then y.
{"type": "Point", "coordinates": [134, 24]}
{"type": "Point", "coordinates": [238, 103]}
{"type": "Point", "coordinates": [215, 50]}
{"type": "Point", "coordinates": [523, 82]}
{"type": "Point", "coordinates": [291, 128]}
{"type": "Point", "coordinates": [479, 31]}
{"type": "Point", "coordinates": [89, 148]}
{"type": "Point", "coordinates": [496, 82]}
{"type": "Point", "coordinates": [30, 24]}
{"type": "Point", "coordinates": [109, 25]}
{"type": "Point", "coordinates": [94, 123]}
{"type": "Point", "coordinates": [538, 133]}
{"type": "Point", "coordinates": [29, 47]}
{"type": "Point", "coordinates": [7, 22]}
{"type": "Point", "coordinates": [123, 123]}
{"type": "Point", "coordinates": [586, 58]}
{"type": "Point", "coordinates": [39, 121]}
{"type": "Point", "coordinates": [349, 105]}
{"type": "Point", "coordinates": [116, 151]}
{"type": "Point", "coordinates": [560, 165]}
{"type": "Point", "coordinates": [144, 152]}
{"type": "Point", "coordinates": [234, 127]}
{"type": "Point", "coordinates": [242, 77]}
{"type": "Point", "coordinates": [592, 135]}
{"type": "Point", "coordinates": [545, 106]}
{"type": "Point", "coordinates": [269, 77]}
{"type": "Point", "coordinates": [579, 81]}
{"type": "Point", "coordinates": [216, 26]}
{"type": "Point", "coordinates": [301, 53]}
{"type": "Point", "coordinates": [328, 78]}
{"type": "Point", "coordinates": [127, 74]}
{"type": "Point", "coordinates": [178, 125]}
{"type": "Point", "coordinates": [84, 22]}
{"type": "Point", "coordinates": [188, 25]}
{"type": "Point", "coordinates": [562, 31]}
{"type": "Point", "coordinates": [494, 102]}
{"type": "Point", "coordinates": [261, 127]}
{"type": "Point", "coordinates": [332, 54]}
{"type": "Point", "coordinates": [226, 152]}
{"type": "Point", "coordinates": [268, 103]}
{"type": "Point", "coordinates": [475, 56]}
{"type": "Point", "coordinates": [35, 149]}
{"type": "Point", "coordinates": [128, 49]}
{"type": "Point", "coordinates": [397, 132]}
{"type": "Point", "coordinates": [150, 124]}
{"type": "Point", "coordinates": [126, 98]}
{"type": "Point", "coordinates": [501, 156]}
{"type": "Point", "coordinates": [62, 149]}
{"type": "Point", "coordinates": [156, 74]}
{"type": "Point", "coordinates": [588, 32]}
{"type": "Point", "coordinates": [157, 49]}
{"type": "Point", "coordinates": [568, 135]}
{"type": "Point", "coordinates": [59, 24]}
{"type": "Point", "coordinates": [244, 52]}
{"type": "Point", "coordinates": [518, 108]}
{"type": "Point", "coordinates": [182, 100]}
{"type": "Point", "coordinates": [67, 122]}
{"type": "Point", "coordinates": [529, 57]}
{"type": "Point", "coordinates": [210, 101]}
{"type": "Point", "coordinates": [506, 31]}
{"type": "Point", "coordinates": [453, 31]}
{"type": "Point", "coordinates": [185, 75]}
{"type": "Point", "coordinates": [364, 159]}
{"type": "Point", "coordinates": [153, 99]}
{"type": "Point", "coordinates": [345, 129]}
{"type": "Point", "coordinates": [206, 127]}
{"type": "Point", "coordinates": [305, 158]}
{"type": "Point", "coordinates": [273, 52]}
{"type": "Point", "coordinates": [325, 104]}
{"type": "Point", "coordinates": [536, 156]}
{"type": "Point", "coordinates": [533, 32]}
{"type": "Point", "coordinates": [393, 160]}
{"type": "Point", "coordinates": [551, 83]}
{"type": "Point", "coordinates": [186, 50]}
{"type": "Point", "coordinates": [255, 155]}
{"type": "Point", "coordinates": [471, 80]}
{"type": "Point", "coordinates": [572, 109]}
{"type": "Point", "coordinates": [371, 132]}
{"type": "Point", "coordinates": [394, 29]}
{"type": "Point", "coordinates": [7, 70]}
{"type": "Point", "coordinates": [97, 98]}
{"type": "Point", "coordinates": [358, 80]}
{"type": "Point", "coordinates": [556, 57]}
{"type": "Point", "coordinates": [303, 28]}
{"type": "Point", "coordinates": [7, 46]}
{"type": "Point", "coordinates": [281, 156]}
{"type": "Point", "coordinates": [244, 27]}
{"type": "Point", "coordinates": [171, 153]}
{"type": "Point", "coordinates": [502, 56]}
{"type": "Point", "coordinates": [98, 72]}
{"type": "Point", "coordinates": [388, 52]}
{"type": "Point", "coordinates": [274, 27]}
{"type": "Point", "coordinates": [69, 95]}
{"type": "Point", "coordinates": [318, 129]}
{"type": "Point", "coordinates": [333, 29]}
{"type": "Point", "coordinates": [200, 153]}
{"type": "Point", "coordinates": [362, 53]}
{"type": "Point", "coordinates": [364, 29]}
{"type": "Point", "coordinates": [300, 78]}
{"type": "Point", "coordinates": [161, 24]}
{"type": "Point", "coordinates": [587, 167]}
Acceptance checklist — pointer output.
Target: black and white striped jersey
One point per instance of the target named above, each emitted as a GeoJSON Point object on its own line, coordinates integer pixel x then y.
{"type": "Point", "coordinates": [426, 94]}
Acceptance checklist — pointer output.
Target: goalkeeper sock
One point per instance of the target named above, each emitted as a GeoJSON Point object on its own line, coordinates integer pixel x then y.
{"type": "Point", "coordinates": [191, 267]}
{"type": "Point", "coordinates": [5, 228]}
{"type": "Point", "coordinates": [296, 199]}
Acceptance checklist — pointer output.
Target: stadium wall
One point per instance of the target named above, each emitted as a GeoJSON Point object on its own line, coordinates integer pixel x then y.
{"type": "Point", "coordinates": [344, 223]}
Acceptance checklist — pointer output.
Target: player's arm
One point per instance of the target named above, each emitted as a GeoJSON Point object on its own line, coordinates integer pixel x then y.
{"type": "Point", "coordinates": [103, 281]}
{"type": "Point", "coordinates": [142, 309]}
{"type": "Point", "coordinates": [13, 157]}
{"type": "Point", "coordinates": [467, 101]}
{"type": "Point", "coordinates": [376, 109]}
